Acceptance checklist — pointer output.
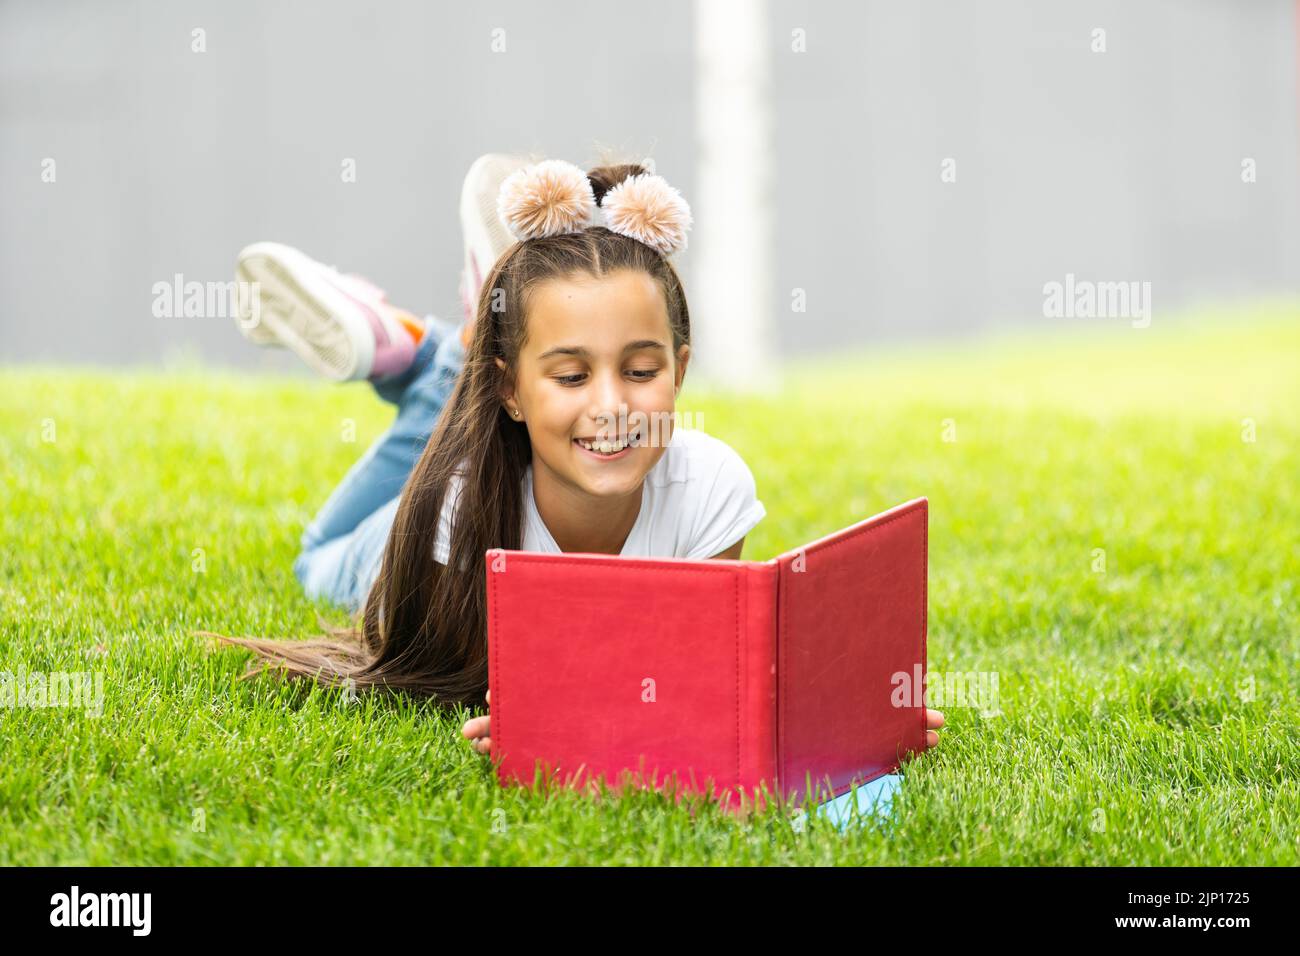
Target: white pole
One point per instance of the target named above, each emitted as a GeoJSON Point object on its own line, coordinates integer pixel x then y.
{"type": "Point", "coordinates": [731, 238]}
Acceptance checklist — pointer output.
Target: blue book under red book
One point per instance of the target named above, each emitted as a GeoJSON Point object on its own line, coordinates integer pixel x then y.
{"type": "Point", "coordinates": [794, 677]}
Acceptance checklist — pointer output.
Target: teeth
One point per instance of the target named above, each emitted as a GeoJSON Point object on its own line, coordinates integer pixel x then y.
{"type": "Point", "coordinates": [604, 447]}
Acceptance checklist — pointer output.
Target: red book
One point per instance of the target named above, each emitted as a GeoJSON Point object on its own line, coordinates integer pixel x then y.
{"type": "Point", "coordinates": [704, 675]}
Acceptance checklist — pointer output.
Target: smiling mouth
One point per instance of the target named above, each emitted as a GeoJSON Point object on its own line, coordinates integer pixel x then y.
{"type": "Point", "coordinates": [606, 446]}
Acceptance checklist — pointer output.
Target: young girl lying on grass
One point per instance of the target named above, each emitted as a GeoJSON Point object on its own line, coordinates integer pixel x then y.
{"type": "Point", "coordinates": [583, 323]}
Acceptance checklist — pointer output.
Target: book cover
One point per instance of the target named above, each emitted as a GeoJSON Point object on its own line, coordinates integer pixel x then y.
{"type": "Point", "coordinates": [739, 678]}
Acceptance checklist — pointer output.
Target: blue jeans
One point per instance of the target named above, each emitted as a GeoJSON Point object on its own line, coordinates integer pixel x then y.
{"type": "Point", "coordinates": [343, 545]}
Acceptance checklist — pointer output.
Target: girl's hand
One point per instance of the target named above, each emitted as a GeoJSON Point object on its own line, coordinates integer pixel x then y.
{"type": "Point", "coordinates": [933, 721]}
{"type": "Point", "coordinates": [476, 729]}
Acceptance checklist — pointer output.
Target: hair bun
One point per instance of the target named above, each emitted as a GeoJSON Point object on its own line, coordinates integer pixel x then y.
{"type": "Point", "coordinates": [646, 208]}
{"type": "Point", "coordinates": [545, 199]}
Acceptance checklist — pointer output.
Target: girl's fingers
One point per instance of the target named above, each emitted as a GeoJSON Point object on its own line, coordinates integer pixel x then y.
{"type": "Point", "coordinates": [483, 745]}
{"type": "Point", "coordinates": [933, 719]}
{"type": "Point", "coordinates": [488, 697]}
{"type": "Point", "coordinates": [931, 739]}
{"type": "Point", "coordinates": [476, 727]}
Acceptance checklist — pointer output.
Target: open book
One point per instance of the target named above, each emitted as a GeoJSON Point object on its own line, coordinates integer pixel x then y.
{"type": "Point", "coordinates": [795, 676]}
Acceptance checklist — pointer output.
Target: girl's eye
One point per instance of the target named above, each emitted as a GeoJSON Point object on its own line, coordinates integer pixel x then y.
{"type": "Point", "coordinates": [640, 374]}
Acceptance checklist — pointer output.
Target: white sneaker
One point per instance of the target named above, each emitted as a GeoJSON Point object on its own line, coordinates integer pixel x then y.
{"type": "Point", "coordinates": [485, 235]}
{"type": "Point", "coordinates": [340, 325]}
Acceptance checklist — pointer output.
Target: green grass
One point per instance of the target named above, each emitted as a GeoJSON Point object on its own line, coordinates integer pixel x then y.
{"type": "Point", "coordinates": [1127, 735]}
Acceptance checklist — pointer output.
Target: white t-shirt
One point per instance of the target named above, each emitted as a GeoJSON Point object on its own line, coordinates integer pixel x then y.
{"type": "Point", "coordinates": [697, 501]}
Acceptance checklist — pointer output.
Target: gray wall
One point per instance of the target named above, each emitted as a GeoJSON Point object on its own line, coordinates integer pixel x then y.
{"type": "Point", "coordinates": [1124, 165]}
{"type": "Point", "coordinates": [1116, 166]}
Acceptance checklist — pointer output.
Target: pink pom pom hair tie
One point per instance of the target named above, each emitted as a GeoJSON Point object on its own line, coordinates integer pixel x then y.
{"type": "Point", "coordinates": [554, 197]}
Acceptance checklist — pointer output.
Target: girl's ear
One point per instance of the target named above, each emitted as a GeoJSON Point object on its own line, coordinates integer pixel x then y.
{"type": "Point", "coordinates": [683, 356]}
{"type": "Point", "coordinates": [507, 384]}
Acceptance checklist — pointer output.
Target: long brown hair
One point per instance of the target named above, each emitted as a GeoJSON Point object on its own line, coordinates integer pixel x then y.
{"type": "Point", "coordinates": [423, 628]}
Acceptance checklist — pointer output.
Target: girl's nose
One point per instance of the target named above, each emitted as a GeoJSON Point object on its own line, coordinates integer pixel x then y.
{"type": "Point", "coordinates": [609, 394]}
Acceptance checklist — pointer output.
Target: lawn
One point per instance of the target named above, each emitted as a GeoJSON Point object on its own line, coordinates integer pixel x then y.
{"type": "Point", "coordinates": [1114, 523]}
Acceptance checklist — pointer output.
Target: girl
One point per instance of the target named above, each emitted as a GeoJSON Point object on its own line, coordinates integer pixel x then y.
{"type": "Point", "coordinates": [583, 328]}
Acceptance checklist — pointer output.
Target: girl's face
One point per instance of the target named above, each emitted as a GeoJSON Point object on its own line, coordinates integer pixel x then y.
{"type": "Point", "coordinates": [597, 348]}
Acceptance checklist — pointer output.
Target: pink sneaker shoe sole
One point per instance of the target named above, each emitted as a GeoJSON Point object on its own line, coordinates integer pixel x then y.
{"type": "Point", "coordinates": [306, 313]}
{"type": "Point", "coordinates": [485, 235]}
